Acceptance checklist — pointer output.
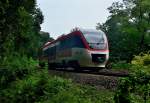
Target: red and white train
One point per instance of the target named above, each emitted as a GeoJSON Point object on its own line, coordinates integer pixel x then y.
{"type": "Point", "coordinates": [80, 48]}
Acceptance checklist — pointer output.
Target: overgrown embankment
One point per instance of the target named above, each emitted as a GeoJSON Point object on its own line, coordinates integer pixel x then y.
{"type": "Point", "coordinates": [136, 87]}
{"type": "Point", "coordinates": [22, 82]}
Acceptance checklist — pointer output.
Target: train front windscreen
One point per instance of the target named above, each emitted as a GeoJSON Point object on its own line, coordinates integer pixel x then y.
{"type": "Point", "coordinates": [95, 40]}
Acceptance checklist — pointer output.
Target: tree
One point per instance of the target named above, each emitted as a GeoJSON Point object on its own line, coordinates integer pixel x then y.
{"type": "Point", "coordinates": [19, 27]}
{"type": "Point", "coordinates": [127, 27]}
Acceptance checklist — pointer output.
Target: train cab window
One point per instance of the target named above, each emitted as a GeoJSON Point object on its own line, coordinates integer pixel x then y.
{"type": "Point", "coordinates": [95, 40]}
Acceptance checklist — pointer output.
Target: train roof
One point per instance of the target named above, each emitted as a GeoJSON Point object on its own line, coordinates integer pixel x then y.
{"type": "Point", "coordinates": [91, 30]}
{"type": "Point", "coordinates": [73, 30]}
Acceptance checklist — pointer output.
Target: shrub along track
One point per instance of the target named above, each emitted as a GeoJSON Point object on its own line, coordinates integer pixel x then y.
{"type": "Point", "coordinates": [106, 79]}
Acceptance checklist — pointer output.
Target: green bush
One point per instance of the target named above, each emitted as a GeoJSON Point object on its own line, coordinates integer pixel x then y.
{"type": "Point", "coordinates": [121, 65]}
{"type": "Point", "coordinates": [15, 67]}
{"type": "Point", "coordinates": [22, 83]}
{"type": "Point", "coordinates": [141, 62]}
{"type": "Point", "coordinates": [39, 87]}
{"type": "Point", "coordinates": [136, 87]}
{"type": "Point", "coordinates": [16, 61]}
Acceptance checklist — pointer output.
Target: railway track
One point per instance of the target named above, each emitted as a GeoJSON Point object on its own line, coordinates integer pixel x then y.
{"type": "Point", "coordinates": [104, 72]}
{"type": "Point", "coordinates": [102, 79]}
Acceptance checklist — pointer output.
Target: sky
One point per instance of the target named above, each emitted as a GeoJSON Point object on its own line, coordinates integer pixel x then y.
{"type": "Point", "coordinates": [60, 16]}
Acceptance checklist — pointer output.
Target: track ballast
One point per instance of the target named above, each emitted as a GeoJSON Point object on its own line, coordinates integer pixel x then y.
{"type": "Point", "coordinates": [105, 72]}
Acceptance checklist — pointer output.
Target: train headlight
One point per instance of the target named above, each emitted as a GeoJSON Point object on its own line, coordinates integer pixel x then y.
{"type": "Point", "coordinates": [98, 58]}
{"type": "Point", "coordinates": [97, 45]}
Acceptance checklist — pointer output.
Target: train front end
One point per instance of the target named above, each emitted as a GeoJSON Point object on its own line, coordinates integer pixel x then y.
{"type": "Point", "coordinates": [96, 53]}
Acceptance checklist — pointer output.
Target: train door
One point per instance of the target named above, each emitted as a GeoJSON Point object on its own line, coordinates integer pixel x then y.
{"type": "Point", "coordinates": [52, 54]}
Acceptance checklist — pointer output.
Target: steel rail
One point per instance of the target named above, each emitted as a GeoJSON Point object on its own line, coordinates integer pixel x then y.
{"type": "Point", "coordinates": [100, 72]}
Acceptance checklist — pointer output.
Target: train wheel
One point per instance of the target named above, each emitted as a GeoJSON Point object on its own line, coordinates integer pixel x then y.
{"type": "Point", "coordinates": [51, 66]}
{"type": "Point", "coordinates": [108, 65]}
{"type": "Point", "coordinates": [75, 65]}
{"type": "Point", "coordinates": [96, 69]}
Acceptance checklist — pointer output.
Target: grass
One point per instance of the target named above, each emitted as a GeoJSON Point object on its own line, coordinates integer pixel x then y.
{"type": "Point", "coordinates": [40, 87]}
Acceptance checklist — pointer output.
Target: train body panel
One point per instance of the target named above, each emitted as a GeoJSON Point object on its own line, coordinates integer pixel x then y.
{"type": "Point", "coordinates": [84, 48]}
{"type": "Point", "coordinates": [90, 58]}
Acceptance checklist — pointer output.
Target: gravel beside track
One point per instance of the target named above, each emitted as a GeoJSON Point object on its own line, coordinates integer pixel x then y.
{"type": "Point", "coordinates": [98, 81]}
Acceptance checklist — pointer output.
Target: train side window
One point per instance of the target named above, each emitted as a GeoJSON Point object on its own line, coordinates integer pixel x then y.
{"type": "Point", "coordinates": [70, 42]}
{"type": "Point", "coordinates": [45, 53]}
{"type": "Point", "coordinates": [63, 44]}
{"type": "Point", "coordinates": [77, 41]}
